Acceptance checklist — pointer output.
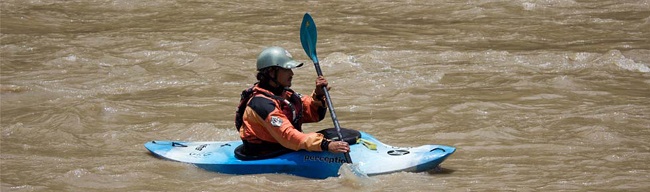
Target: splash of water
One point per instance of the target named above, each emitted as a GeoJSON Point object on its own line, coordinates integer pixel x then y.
{"type": "Point", "coordinates": [352, 176]}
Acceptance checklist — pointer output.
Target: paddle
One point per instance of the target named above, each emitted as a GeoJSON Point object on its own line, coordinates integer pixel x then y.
{"type": "Point", "coordinates": [308, 37]}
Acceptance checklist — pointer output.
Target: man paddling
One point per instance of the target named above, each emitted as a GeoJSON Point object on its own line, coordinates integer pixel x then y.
{"type": "Point", "coordinates": [270, 114]}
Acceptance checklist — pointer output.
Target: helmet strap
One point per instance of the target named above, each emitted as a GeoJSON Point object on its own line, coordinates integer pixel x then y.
{"type": "Point", "coordinates": [274, 79]}
{"type": "Point", "coordinates": [278, 87]}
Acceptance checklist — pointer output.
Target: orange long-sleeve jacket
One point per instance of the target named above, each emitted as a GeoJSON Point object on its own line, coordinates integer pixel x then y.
{"type": "Point", "coordinates": [269, 118]}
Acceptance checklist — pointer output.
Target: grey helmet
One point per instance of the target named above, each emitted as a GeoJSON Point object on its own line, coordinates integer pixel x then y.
{"type": "Point", "coordinates": [276, 56]}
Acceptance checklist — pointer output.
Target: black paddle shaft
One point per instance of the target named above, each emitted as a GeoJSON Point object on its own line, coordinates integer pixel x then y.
{"type": "Point", "coordinates": [348, 159]}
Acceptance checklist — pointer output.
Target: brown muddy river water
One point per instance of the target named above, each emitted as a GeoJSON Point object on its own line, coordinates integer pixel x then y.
{"type": "Point", "coordinates": [537, 95]}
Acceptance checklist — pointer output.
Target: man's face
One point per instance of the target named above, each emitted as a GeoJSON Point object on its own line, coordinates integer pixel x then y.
{"type": "Point", "coordinates": [284, 77]}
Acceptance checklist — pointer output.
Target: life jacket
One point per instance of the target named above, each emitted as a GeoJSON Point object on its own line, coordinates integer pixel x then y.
{"type": "Point", "coordinates": [292, 108]}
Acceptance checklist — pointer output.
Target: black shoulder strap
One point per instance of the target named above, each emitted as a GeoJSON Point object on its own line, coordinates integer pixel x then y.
{"type": "Point", "coordinates": [246, 95]}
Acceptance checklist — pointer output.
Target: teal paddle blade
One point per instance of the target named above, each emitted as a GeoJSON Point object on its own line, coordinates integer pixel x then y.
{"type": "Point", "coordinates": [309, 36]}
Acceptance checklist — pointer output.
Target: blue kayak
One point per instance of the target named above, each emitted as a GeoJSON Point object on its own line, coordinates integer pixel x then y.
{"type": "Point", "coordinates": [371, 156]}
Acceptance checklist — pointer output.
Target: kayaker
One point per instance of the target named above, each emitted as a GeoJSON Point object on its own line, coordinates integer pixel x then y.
{"type": "Point", "coordinates": [270, 114]}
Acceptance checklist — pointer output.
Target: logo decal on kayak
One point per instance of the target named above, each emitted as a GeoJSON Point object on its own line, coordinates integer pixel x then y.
{"type": "Point", "coordinates": [338, 160]}
{"type": "Point", "coordinates": [200, 147]}
{"type": "Point", "coordinates": [276, 121]}
{"type": "Point", "coordinates": [398, 152]}
{"type": "Point", "coordinates": [200, 154]}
